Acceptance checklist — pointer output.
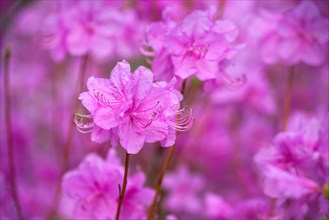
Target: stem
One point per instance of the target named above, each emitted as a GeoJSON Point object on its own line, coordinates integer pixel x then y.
{"type": "Point", "coordinates": [123, 188]}
{"type": "Point", "coordinates": [286, 113]}
{"type": "Point", "coordinates": [68, 143]}
{"type": "Point", "coordinates": [159, 183]}
{"type": "Point", "coordinates": [10, 138]}
{"type": "Point", "coordinates": [220, 8]}
{"type": "Point", "coordinates": [287, 99]}
{"type": "Point", "coordinates": [164, 169]}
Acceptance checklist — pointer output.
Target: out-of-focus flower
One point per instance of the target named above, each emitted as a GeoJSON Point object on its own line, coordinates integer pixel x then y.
{"type": "Point", "coordinates": [91, 27]}
{"type": "Point", "coordinates": [183, 185]}
{"type": "Point", "coordinates": [295, 165]}
{"type": "Point", "coordinates": [217, 208]}
{"type": "Point", "coordinates": [196, 47]}
{"type": "Point", "coordinates": [298, 35]}
{"type": "Point", "coordinates": [142, 111]}
{"type": "Point", "coordinates": [249, 95]}
{"type": "Point", "coordinates": [93, 188]}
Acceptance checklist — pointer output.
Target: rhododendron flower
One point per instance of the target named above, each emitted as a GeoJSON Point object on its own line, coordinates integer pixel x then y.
{"type": "Point", "coordinates": [90, 27]}
{"type": "Point", "coordinates": [293, 165]}
{"type": "Point", "coordinates": [140, 110]}
{"type": "Point", "coordinates": [299, 35]}
{"type": "Point", "coordinates": [196, 47]}
{"type": "Point", "coordinates": [93, 189]}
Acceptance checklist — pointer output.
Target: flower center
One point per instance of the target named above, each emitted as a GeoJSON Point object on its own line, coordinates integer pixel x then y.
{"type": "Point", "coordinates": [199, 51]}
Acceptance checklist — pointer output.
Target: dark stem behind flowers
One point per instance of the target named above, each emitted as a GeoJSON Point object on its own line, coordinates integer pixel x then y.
{"type": "Point", "coordinates": [124, 186]}
{"type": "Point", "coordinates": [285, 119]}
{"type": "Point", "coordinates": [68, 144]}
{"type": "Point", "coordinates": [287, 99]}
{"type": "Point", "coordinates": [10, 137]}
{"type": "Point", "coordinates": [163, 171]}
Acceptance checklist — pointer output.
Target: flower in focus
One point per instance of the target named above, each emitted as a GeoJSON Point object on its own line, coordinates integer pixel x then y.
{"type": "Point", "coordinates": [93, 189]}
{"type": "Point", "coordinates": [140, 110]}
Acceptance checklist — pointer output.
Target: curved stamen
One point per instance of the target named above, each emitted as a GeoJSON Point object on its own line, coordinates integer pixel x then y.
{"type": "Point", "coordinates": [145, 123]}
{"type": "Point", "coordinates": [146, 110]}
{"type": "Point", "coordinates": [146, 49]}
{"type": "Point", "coordinates": [101, 98]}
{"type": "Point", "coordinates": [183, 120]}
{"type": "Point", "coordinates": [81, 125]}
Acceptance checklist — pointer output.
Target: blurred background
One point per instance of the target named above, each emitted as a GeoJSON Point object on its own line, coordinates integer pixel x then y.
{"type": "Point", "coordinates": [51, 42]}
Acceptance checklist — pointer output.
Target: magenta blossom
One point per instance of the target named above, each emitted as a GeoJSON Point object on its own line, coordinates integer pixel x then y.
{"type": "Point", "coordinates": [294, 166]}
{"type": "Point", "coordinates": [140, 110]}
{"type": "Point", "coordinates": [196, 47]}
{"type": "Point", "coordinates": [298, 35]}
{"type": "Point", "coordinates": [90, 27]}
{"type": "Point", "coordinates": [93, 189]}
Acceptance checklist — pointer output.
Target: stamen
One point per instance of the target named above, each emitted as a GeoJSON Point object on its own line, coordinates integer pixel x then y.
{"type": "Point", "coordinates": [105, 101]}
{"type": "Point", "coordinates": [146, 110]}
{"type": "Point", "coordinates": [183, 120]}
{"type": "Point", "coordinates": [81, 125]}
{"type": "Point", "coordinates": [147, 50]}
{"type": "Point", "coordinates": [144, 122]}
{"type": "Point", "coordinates": [144, 118]}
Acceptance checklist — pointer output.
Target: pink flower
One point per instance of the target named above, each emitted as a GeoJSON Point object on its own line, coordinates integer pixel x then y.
{"type": "Point", "coordinates": [283, 184]}
{"type": "Point", "coordinates": [293, 166]}
{"type": "Point", "coordinates": [140, 110]}
{"type": "Point", "coordinates": [299, 35]}
{"type": "Point", "coordinates": [91, 27]}
{"type": "Point", "coordinates": [93, 188]}
{"type": "Point", "coordinates": [194, 48]}
{"type": "Point", "coordinates": [249, 95]}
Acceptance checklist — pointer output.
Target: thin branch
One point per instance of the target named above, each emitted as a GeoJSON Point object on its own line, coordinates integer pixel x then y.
{"type": "Point", "coordinates": [124, 185]}
{"type": "Point", "coordinates": [10, 137]}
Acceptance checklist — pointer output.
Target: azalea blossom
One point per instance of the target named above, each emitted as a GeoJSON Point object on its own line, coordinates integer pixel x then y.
{"type": "Point", "coordinates": [196, 47]}
{"type": "Point", "coordinates": [298, 35]}
{"type": "Point", "coordinates": [90, 27]}
{"type": "Point", "coordinates": [294, 166]}
{"type": "Point", "coordinates": [93, 189]}
{"type": "Point", "coordinates": [140, 110]}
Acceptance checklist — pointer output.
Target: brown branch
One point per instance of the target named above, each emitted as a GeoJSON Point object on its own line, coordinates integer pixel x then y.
{"type": "Point", "coordinates": [124, 185]}
{"type": "Point", "coordinates": [10, 137]}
